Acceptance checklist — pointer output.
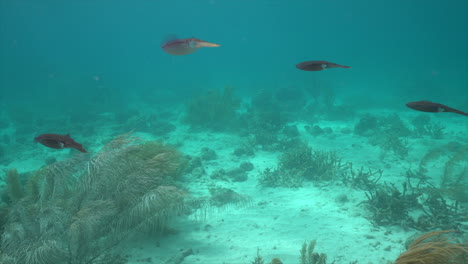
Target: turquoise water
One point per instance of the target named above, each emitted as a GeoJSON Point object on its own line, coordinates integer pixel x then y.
{"type": "Point", "coordinates": [415, 48]}
{"type": "Point", "coordinates": [96, 70]}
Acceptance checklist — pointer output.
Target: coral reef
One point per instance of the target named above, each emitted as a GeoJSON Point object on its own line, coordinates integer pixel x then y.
{"type": "Point", "coordinates": [436, 247]}
{"type": "Point", "coordinates": [278, 178]}
{"type": "Point", "coordinates": [233, 175]}
{"type": "Point", "coordinates": [290, 131]}
{"type": "Point", "coordinates": [421, 206]}
{"type": "Point", "coordinates": [267, 112]}
{"type": "Point", "coordinates": [363, 179]}
{"type": "Point", "coordinates": [302, 163]}
{"type": "Point", "coordinates": [265, 118]}
{"type": "Point", "coordinates": [276, 261]}
{"type": "Point", "coordinates": [312, 165]}
{"type": "Point", "coordinates": [308, 256]}
{"type": "Point", "coordinates": [159, 158]}
{"type": "Point", "coordinates": [244, 150]}
{"type": "Point", "coordinates": [325, 102]}
{"type": "Point", "coordinates": [157, 124]}
{"type": "Point", "coordinates": [258, 259]}
{"type": "Point", "coordinates": [316, 130]}
{"type": "Point", "coordinates": [390, 206]}
{"type": "Point", "coordinates": [77, 210]}
{"type": "Point", "coordinates": [216, 110]}
{"type": "Point", "coordinates": [454, 172]}
{"type": "Point", "coordinates": [222, 196]}
{"type": "Point", "coordinates": [389, 142]}
{"type": "Point", "coordinates": [246, 166]}
{"type": "Point", "coordinates": [389, 133]}
{"type": "Point", "coordinates": [208, 154]}
{"type": "Point", "coordinates": [423, 126]}
{"type": "Point", "coordinates": [366, 126]}
{"type": "Point", "coordinates": [14, 186]}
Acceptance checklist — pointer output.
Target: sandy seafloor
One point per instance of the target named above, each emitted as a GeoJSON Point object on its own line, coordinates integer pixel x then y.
{"type": "Point", "coordinates": [278, 220]}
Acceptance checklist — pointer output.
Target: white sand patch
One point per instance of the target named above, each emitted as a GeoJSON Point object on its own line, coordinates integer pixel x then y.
{"type": "Point", "coordinates": [278, 222]}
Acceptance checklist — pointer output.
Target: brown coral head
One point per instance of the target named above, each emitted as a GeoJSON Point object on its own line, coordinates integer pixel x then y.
{"type": "Point", "coordinates": [276, 261]}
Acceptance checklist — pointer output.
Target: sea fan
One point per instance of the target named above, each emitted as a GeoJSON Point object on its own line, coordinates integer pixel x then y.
{"type": "Point", "coordinates": [434, 248]}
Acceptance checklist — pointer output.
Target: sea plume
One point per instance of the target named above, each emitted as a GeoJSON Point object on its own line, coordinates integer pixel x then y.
{"type": "Point", "coordinates": [77, 210]}
{"type": "Point", "coordinates": [434, 248]}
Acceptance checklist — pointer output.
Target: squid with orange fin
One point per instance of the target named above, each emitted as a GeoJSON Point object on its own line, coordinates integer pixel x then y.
{"type": "Point", "coordinates": [318, 65]}
{"type": "Point", "coordinates": [57, 141]}
{"type": "Point", "coordinates": [186, 46]}
{"type": "Point", "coordinates": [430, 107]}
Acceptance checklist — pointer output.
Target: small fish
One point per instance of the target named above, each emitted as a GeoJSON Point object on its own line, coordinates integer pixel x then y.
{"type": "Point", "coordinates": [426, 106]}
{"type": "Point", "coordinates": [58, 141]}
{"type": "Point", "coordinates": [186, 46]}
{"type": "Point", "coordinates": [318, 65]}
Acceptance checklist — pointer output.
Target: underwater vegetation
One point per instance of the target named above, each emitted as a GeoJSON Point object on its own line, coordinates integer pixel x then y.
{"type": "Point", "coordinates": [158, 124]}
{"type": "Point", "coordinates": [79, 209]}
{"type": "Point", "coordinates": [265, 118]}
{"type": "Point", "coordinates": [302, 163]}
{"type": "Point", "coordinates": [454, 157]}
{"type": "Point", "coordinates": [447, 167]}
{"type": "Point", "coordinates": [258, 259]}
{"type": "Point", "coordinates": [307, 255]}
{"type": "Point", "coordinates": [390, 206]}
{"type": "Point", "coordinates": [419, 204]}
{"type": "Point", "coordinates": [363, 178]}
{"type": "Point", "coordinates": [268, 114]}
{"type": "Point", "coordinates": [435, 247]}
{"type": "Point", "coordinates": [441, 179]}
{"type": "Point", "coordinates": [287, 101]}
{"type": "Point", "coordinates": [278, 178]}
{"type": "Point", "coordinates": [389, 133]}
{"type": "Point", "coordinates": [214, 110]}
{"type": "Point", "coordinates": [423, 126]}
{"type": "Point", "coordinates": [235, 174]}
{"type": "Point", "coordinates": [324, 103]}
{"type": "Point", "coordinates": [221, 196]}
{"type": "Point", "coordinates": [416, 203]}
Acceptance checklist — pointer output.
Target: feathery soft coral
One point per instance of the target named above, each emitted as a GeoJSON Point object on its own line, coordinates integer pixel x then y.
{"type": "Point", "coordinates": [434, 248]}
